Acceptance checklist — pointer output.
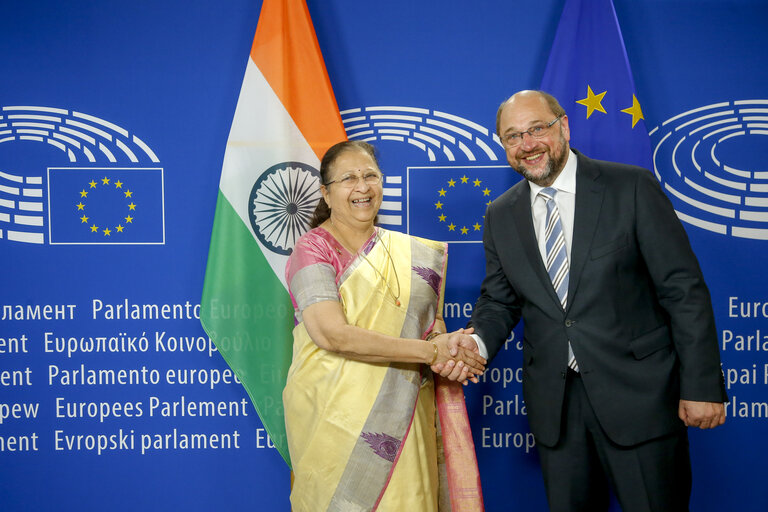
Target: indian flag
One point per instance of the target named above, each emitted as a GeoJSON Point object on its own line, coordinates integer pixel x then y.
{"type": "Point", "coordinates": [286, 118]}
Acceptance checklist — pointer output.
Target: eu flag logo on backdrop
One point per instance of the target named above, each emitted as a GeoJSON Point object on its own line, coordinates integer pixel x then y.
{"type": "Point", "coordinates": [453, 200]}
{"type": "Point", "coordinates": [588, 72]}
{"type": "Point", "coordinates": [105, 206]}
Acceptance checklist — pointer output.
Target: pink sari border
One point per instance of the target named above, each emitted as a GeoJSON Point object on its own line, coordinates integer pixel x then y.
{"type": "Point", "coordinates": [460, 460]}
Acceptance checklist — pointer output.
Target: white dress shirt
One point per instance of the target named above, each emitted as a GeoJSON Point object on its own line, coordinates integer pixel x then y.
{"type": "Point", "coordinates": [565, 184]}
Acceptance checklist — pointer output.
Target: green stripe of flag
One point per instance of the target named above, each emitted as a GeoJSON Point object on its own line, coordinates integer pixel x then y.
{"type": "Point", "coordinates": [246, 310]}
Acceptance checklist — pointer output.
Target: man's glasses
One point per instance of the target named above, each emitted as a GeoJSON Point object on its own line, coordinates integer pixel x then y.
{"type": "Point", "coordinates": [351, 180]}
{"type": "Point", "coordinates": [538, 131]}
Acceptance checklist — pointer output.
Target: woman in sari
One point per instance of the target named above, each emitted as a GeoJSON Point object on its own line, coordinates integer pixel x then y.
{"type": "Point", "coordinates": [369, 426]}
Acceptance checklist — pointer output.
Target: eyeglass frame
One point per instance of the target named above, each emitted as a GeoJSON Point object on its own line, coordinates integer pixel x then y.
{"type": "Point", "coordinates": [379, 174]}
{"type": "Point", "coordinates": [543, 131]}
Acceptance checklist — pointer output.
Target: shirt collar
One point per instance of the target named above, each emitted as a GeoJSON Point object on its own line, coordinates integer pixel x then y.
{"type": "Point", "coordinates": [565, 182]}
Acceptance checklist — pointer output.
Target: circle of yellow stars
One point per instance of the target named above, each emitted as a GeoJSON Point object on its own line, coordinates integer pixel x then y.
{"type": "Point", "coordinates": [594, 102]}
{"type": "Point", "coordinates": [464, 180]}
{"type": "Point", "coordinates": [105, 182]}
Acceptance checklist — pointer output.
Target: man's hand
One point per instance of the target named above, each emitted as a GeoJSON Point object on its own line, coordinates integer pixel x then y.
{"type": "Point", "coordinates": [701, 414]}
{"type": "Point", "coordinates": [452, 370]}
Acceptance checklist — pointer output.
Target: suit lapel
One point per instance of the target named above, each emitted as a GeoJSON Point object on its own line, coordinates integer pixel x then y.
{"type": "Point", "coordinates": [589, 200]}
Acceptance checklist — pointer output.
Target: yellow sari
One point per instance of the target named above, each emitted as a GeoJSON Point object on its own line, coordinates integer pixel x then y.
{"type": "Point", "coordinates": [366, 436]}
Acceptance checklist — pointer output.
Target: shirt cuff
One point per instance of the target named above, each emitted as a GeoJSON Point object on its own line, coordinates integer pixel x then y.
{"type": "Point", "coordinates": [480, 345]}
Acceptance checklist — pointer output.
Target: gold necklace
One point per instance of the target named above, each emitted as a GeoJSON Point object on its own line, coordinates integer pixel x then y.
{"type": "Point", "coordinates": [395, 297]}
{"type": "Point", "coordinates": [394, 270]}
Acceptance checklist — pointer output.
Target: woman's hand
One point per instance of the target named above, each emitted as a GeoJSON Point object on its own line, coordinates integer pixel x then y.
{"type": "Point", "coordinates": [457, 357]}
{"type": "Point", "coordinates": [327, 325]}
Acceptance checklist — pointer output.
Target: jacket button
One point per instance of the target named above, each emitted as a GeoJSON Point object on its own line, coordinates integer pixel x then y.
{"type": "Point", "coordinates": [569, 322]}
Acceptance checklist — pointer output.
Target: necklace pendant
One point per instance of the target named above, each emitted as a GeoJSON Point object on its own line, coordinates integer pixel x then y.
{"type": "Point", "coordinates": [397, 303]}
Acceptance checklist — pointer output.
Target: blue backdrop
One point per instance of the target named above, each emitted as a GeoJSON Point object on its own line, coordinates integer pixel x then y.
{"type": "Point", "coordinates": [111, 396]}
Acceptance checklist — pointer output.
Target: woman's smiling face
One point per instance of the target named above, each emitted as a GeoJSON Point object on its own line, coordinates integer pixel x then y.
{"type": "Point", "coordinates": [353, 201]}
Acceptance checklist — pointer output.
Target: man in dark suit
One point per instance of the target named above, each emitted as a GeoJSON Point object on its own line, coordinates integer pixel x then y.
{"type": "Point", "coordinates": [620, 351]}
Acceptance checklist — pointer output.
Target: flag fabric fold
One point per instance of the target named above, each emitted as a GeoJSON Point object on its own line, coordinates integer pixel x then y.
{"type": "Point", "coordinates": [588, 72]}
{"type": "Point", "coordinates": [286, 117]}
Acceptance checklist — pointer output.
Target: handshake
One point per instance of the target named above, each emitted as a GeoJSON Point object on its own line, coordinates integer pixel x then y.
{"type": "Point", "coordinates": [458, 357]}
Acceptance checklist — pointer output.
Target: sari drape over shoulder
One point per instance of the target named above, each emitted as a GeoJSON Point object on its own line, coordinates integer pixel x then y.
{"type": "Point", "coordinates": [374, 436]}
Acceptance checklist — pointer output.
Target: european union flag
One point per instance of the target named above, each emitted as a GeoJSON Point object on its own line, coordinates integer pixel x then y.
{"type": "Point", "coordinates": [453, 200]}
{"type": "Point", "coordinates": [588, 72]}
{"type": "Point", "coordinates": [105, 206]}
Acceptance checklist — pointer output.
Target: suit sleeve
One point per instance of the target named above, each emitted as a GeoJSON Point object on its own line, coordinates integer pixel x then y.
{"type": "Point", "coordinates": [681, 292]}
{"type": "Point", "coordinates": [497, 310]}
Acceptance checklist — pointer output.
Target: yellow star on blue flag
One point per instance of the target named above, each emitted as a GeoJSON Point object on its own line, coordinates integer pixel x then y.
{"type": "Point", "coordinates": [635, 111]}
{"type": "Point", "coordinates": [593, 102]}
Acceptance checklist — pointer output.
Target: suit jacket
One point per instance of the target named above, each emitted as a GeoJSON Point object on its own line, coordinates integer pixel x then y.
{"type": "Point", "coordinates": [639, 315]}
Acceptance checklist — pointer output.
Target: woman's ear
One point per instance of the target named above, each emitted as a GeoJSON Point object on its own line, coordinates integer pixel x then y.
{"type": "Point", "coordinates": [326, 195]}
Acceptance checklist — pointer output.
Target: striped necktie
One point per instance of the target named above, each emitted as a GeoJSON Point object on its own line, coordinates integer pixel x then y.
{"type": "Point", "coordinates": [557, 257]}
